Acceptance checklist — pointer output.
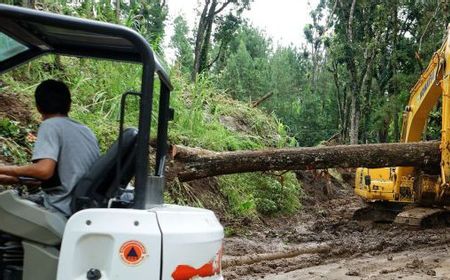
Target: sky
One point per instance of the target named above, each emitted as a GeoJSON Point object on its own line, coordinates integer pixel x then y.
{"type": "Point", "coordinates": [282, 20]}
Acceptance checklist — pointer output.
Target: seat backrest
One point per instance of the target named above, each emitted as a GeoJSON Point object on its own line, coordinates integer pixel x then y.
{"type": "Point", "coordinates": [100, 183]}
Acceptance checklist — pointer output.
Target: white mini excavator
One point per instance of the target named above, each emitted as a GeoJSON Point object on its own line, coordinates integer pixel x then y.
{"type": "Point", "coordinates": [108, 237]}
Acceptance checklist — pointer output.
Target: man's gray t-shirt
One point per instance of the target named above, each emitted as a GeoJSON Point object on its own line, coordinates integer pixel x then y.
{"type": "Point", "coordinates": [74, 147]}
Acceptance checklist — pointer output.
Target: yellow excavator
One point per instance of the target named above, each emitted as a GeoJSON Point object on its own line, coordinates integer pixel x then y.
{"type": "Point", "coordinates": [408, 195]}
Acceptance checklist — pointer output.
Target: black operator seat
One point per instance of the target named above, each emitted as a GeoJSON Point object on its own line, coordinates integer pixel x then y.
{"type": "Point", "coordinates": [100, 184]}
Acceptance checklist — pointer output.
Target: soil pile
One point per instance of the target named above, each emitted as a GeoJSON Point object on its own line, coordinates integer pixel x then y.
{"type": "Point", "coordinates": [14, 108]}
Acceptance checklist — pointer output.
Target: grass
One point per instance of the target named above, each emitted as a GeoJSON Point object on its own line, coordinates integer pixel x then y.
{"type": "Point", "coordinates": [204, 117]}
{"type": "Point", "coordinates": [15, 143]}
{"type": "Point", "coordinates": [254, 193]}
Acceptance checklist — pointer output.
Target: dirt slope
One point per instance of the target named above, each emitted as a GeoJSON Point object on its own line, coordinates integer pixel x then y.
{"type": "Point", "coordinates": [14, 108]}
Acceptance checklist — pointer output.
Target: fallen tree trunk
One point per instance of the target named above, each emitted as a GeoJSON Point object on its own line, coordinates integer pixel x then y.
{"type": "Point", "coordinates": [255, 258]}
{"type": "Point", "coordinates": [200, 163]}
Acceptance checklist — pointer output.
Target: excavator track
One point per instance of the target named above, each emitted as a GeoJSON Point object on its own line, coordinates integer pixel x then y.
{"type": "Point", "coordinates": [377, 212]}
{"type": "Point", "coordinates": [420, 217]}
{"type": "Point", "coordinates": [375, 215]}
{"type": "Point", "coordinates": [424, 217]}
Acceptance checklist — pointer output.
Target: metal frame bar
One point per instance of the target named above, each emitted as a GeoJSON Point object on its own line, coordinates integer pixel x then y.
{"type": "Point", "coordinates": [121, 125]}
{"type": "Point", "coordinates": [165, 115]}
{"type": "Point", "coordinates": [150, 67]}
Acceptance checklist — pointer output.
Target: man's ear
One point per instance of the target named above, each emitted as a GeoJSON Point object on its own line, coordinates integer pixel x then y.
{"type": "Point", "coordinates": [40, 112]}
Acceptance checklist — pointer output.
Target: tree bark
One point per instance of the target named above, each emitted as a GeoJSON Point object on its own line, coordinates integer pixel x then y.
{"type": "Point", "coordinates": [204, 51]}
{"type": "Point", "coordinates": [354, 116]}
{"type": "Point", "coordinates": [339, 102]}
{"type": "Point", "coordinates": [205, 28]}
{"type": "Point", "coordinates": [118, 11]}
{"type": "Point", "coordinates": [200, 163]}
{"type": "Point", "coordinates": [292, 253]}
{"type": "Point", "coordinates": [199, 39]}
{"type": "Point", "coordinates": [351, 66]}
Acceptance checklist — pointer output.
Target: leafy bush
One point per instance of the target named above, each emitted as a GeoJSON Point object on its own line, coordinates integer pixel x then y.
{"type": "Point", "coordinates": [252, 193]}
{"type": "Point", "coordinates": [16, 141]}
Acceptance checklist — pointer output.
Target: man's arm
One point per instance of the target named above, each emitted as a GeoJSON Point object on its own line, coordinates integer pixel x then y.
{"type": "Point", "coordinates": [8, 180]}
{"type": "Point", "coordinates": [42, 169]}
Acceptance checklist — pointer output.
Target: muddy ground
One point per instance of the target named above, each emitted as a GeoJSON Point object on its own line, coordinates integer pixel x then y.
{"type": "Point", "coordinates": [359, 250]}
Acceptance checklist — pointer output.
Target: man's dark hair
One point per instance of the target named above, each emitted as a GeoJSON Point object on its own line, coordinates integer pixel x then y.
{"type": "Point", "coordinates": [53, 97]}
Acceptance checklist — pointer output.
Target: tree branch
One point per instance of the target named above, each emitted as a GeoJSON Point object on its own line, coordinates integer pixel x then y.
{"type": "Point", "coordinates": [218, 11]}
{"type": "Point", "coordinates": [428, 25]}
{"type": "Point", "coordinates": [217, 56]}
{"type": "Point", "coordinates": [261, 100]}
{"type": "Point", "coordinates": [350, 22]}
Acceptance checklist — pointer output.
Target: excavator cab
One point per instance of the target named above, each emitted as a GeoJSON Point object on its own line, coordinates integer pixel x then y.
{"type": "Point", "coordinates": [108, 237]}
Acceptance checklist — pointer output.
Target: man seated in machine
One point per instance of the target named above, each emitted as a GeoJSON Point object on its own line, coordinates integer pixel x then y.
{"type": "Point", "coordinates": [64, 150]}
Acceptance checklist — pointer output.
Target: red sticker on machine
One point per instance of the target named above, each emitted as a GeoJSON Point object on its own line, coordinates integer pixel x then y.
{"type": "Point", "coordinates": [187, 272]}
{"type": "Point", "coordinates": [132, 252]}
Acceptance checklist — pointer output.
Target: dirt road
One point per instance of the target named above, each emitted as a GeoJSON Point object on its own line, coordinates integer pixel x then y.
{"type": "Point", "coordinates": [425, 263]}
{"type": "Point", "coordinates": [359, 250]}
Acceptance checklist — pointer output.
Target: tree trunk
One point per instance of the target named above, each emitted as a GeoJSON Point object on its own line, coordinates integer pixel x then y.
{"type": "Point", "coordinates": [346, 107]}
{"type": "Point", "coordinates": [204, 32]}
{"type": "Point", "coordinates": [384, 130]}
{"type": "Point", "coordinates": [199, 40]}
{"type": "Point", "coordinates": [292, 253]}
{"type": "Point", "coordinates": [203, 63]}
{"type": "Point", "coordinates": [28, 4]}
{"type": "Point", "coordinates": [397, 121]}
{"type": "Point", "coordinates": [118, 11]}
{"type": "Point", "coordinates": [198, 163]}
{"type": "Point", "coordinates": [367, 85]}
{"type": "Point", "coordinates": [339, 102]}
{"type": "Point", "coordinates": [354, 117]}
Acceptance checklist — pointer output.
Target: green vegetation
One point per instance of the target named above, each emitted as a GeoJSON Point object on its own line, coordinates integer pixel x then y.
{"type": "Point", "coordinates": [252, 193]}
{"type": "Point", "coordinates": [206, 117]}
{"type": "Point", "coordinates": [350, 82]}
{"type": "Point", "coordinates": [351, 79]}
{"type": "Point", "coordinates": [16, 141]}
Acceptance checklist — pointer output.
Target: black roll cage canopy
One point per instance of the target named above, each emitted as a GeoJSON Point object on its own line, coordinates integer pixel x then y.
{"type": "Point", "coordinates": [48, 33]}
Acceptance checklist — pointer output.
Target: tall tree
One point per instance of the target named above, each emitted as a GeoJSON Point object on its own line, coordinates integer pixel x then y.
{"type": "Point", "coordinates": [149, 18]}
{"type": "Point", "coordinates": [210, 11]}
{"type": "Point", "coordinates": [246, 70]}
{"type": "Point", "coordinates": [226, 30]}
{"type": "Point", "coordinates": [182, 44]}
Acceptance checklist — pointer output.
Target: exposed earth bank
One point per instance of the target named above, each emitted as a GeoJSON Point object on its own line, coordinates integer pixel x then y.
{"type": "Point", "coordinates": [358, 250]}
